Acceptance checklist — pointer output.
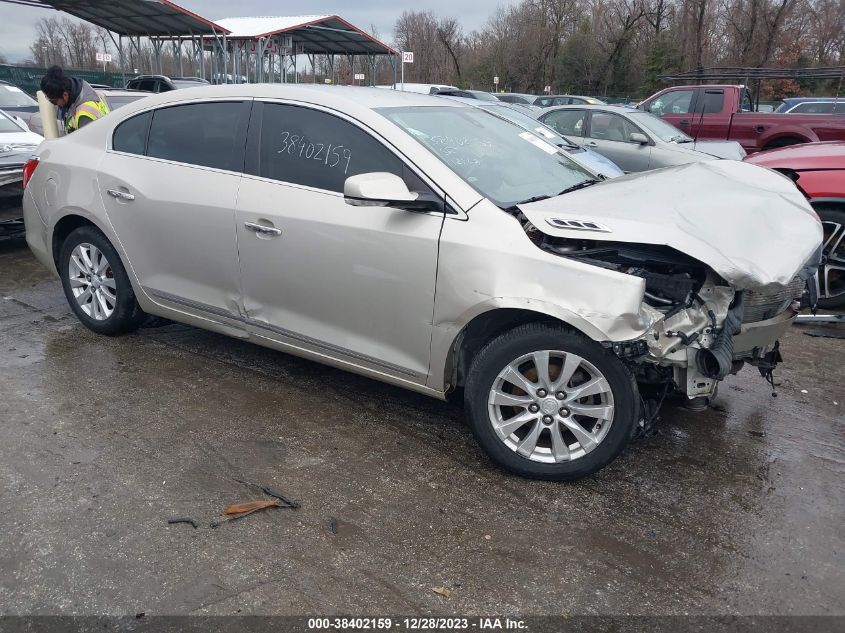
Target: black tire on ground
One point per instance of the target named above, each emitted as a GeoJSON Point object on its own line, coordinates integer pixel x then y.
{"type": "Point", "coordinates": [531, 337]}
{"type": "Point", "coordinates": [127, 315]}
{"type": "Point", "coordinates": [830, 213]}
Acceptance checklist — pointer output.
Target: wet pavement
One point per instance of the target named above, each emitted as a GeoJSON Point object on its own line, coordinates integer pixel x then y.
{"type": "Point", "coordinates": [738, 510]}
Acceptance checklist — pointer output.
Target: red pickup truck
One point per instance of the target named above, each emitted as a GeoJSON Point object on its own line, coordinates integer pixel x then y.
{"type": "Point", "coordinates": [727, 113]}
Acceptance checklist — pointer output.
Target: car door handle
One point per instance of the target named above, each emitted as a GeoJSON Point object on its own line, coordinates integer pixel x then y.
{"type": "Point", "coordinates": [120, 195]}
{"type": "Point", "coordinates": [263, 230]}
{"type": "Point", "coordinates": [684, 122]}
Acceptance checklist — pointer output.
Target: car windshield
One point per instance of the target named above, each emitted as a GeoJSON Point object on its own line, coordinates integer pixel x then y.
{"type": "Point", "coordinates": [529, 123]}
{"type": "Point", "coordinates": [14, 97]}
{"type": "Point", "coordinates": [483, 96]}
{"type": "Point", "coordinates": [502, 161]}
{"type": "Point", "coordinates": [658, 127]}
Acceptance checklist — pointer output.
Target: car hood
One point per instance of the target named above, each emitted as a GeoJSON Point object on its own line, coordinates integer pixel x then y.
{"type": "Point", "coordinates": [596, 162]}
{"type": "Point", "coordinates": [730, 150]}
{"type": "Point", "coordinates": [750, 225]}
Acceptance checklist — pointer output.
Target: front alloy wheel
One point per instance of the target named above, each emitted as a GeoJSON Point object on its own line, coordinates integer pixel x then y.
{"type": "Point", "coordinates": [548, 403]}
{"type": "Point", "coordinates": [551, 406]}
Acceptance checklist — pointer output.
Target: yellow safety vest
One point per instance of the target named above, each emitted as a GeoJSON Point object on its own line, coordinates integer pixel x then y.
{"type": "Point", "coordinates": [90, 109]}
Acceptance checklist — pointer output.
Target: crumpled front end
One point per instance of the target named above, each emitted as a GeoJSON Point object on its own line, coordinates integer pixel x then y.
{"type": "Point", "coordinates": [715, 334]}
{"type": "Point", "coordinates": [701, 327]}
{"type": "Point", "coordinates": [725, 252]}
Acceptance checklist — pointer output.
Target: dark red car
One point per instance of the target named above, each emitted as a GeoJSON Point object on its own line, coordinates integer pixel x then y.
{"type": "Point", "coordinates": [819, 171]}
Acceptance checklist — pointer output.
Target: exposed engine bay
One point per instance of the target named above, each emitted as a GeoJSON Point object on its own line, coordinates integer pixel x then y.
{"type": "Point", "coordinates": [695, 315]}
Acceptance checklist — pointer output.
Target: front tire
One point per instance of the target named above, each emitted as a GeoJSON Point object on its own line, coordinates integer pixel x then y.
{"type": "Point", "coordinates": [832, 270]}
{"type": "Point", "coordinates": [96, 284]}
{"type": "Point", "coordinates": [548, 403]}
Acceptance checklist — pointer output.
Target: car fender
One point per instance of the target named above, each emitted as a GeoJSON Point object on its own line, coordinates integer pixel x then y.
{"type": "Point", "coordinates": [787, 131]}
{"type": "Point", "coordinates": [489, 264]}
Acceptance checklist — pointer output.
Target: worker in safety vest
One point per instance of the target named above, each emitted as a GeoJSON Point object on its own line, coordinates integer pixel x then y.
{"type": "Point", "coordinates": [77, 101]}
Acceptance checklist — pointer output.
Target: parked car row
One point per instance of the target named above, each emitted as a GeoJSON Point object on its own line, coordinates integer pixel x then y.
{"type": "Point", "coordinates": [634, 140]}
{"type": "Point", "coordinates": [443, 247]}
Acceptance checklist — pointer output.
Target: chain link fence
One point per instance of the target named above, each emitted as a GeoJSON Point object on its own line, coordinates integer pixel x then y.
{"type": "Point", "coordinates": [28, 78]}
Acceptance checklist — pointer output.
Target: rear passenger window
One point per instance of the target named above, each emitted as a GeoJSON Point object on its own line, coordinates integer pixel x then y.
{"type": "Point", "coordinates": [312, 148]}
{"type": "Point", "coordinates": [206, 134]}
{"type": "Point", "coordinates": [131, 135]}
{"type": "Point", "coordinates": [567, 122]}
{"type": "Point", "coordinates": [714, 102]}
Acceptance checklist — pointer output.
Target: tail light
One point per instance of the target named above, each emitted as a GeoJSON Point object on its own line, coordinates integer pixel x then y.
{"type": "Point", "coordinates": [29, 169]}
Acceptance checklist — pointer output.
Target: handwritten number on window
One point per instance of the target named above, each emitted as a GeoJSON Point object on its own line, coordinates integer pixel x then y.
{"type": "Point", "coordinates": [330, 155]}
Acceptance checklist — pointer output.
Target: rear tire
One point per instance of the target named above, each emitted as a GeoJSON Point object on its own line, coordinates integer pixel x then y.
{"type": "Point", "coordinates": [96, 284]}
{"type": "Point", "coordinates": [832, 270]}
{"type": "Point", "coordinates": [533, 422]}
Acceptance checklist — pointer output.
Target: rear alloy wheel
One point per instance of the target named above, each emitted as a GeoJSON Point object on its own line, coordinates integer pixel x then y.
{"type": "Point", "coordinates": [96, 284]}
{"type": "Point", "coordinates": [548, 403]}
{"type": "Point", "coordinates": [832, 269]}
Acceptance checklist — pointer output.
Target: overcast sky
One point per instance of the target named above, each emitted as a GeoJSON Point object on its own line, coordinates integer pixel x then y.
{"type": "Point", "coordinates": [17, 22]}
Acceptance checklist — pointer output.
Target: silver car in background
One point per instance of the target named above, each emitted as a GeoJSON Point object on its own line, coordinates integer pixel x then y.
{"type": "Point", "coordinates": [594, 161]}
{"type": "Point", "coordinates": [430, 245]}
{"type": "Point", "coordinates": [634, 140]}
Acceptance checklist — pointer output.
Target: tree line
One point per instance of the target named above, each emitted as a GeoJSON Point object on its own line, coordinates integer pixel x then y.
{"type": "Point", "coordinates": [594, 47]}
{"type": "Point", "coordinates": [619, 47]}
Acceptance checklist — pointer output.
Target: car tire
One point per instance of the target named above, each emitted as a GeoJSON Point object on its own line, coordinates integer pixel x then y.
{"type": "Point", "coordinates": [833, 222]}
{"type": "Point", "coordinates": [96, 284]}
{"type": "Point", "coordinates": [556, 452]}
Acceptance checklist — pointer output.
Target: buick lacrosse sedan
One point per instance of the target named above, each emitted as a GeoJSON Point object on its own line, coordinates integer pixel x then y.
{"type": "Point", "coordinates": [430, 245]}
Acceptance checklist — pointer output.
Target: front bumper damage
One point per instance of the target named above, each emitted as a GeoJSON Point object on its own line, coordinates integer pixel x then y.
{"type": "Point", "coordinates": [702, 344]}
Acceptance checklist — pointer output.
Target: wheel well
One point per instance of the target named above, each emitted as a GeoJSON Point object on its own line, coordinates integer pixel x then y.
{"type": "Point", "coordinates": [784, 141]}
{"type": "Point", "coordinates": [484, 328]}
{"type": "Point", "coordinates": [63, 228]}
{"type": "Point", "coordinates": [828, 205]}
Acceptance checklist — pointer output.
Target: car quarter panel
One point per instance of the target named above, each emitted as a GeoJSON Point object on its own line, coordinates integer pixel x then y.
{"type": "Point", "coordinates": [65, 183]}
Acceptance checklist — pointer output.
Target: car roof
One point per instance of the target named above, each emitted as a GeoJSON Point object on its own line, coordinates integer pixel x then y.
{"type": "Point", "coordinates": [589, 106]}
{"type": "Point", "coordinates": [344, 98]}
{"type": "Point", "coordinates": [807, 99]}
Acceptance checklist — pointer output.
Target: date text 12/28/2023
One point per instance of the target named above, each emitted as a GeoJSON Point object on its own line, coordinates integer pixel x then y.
{"type": "Point", "coordinates": [416, 624]}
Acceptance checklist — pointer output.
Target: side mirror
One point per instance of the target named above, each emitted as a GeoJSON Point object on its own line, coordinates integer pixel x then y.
{"type": "Point", "coordinates": [383, 189]}
{"type": "Point", "coordinates": [638, 137]}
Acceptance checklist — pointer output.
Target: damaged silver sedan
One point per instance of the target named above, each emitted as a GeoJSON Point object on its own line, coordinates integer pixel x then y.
{"type": "Point", "coordinates": [432, 246]}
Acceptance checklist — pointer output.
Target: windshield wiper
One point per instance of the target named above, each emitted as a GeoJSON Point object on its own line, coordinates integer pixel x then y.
{"type": "Point", "coordinates": [575, 187]}
{"type": "Point", "coordinates": [581, 185]}
{"type": "Point", "coordinates": [534, 199]}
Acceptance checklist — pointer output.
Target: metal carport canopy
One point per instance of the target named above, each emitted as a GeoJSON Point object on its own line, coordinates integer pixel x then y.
{"type": "Point", "coordinates": [150, 18]}
{"type": "Point", "coordinates": [318, 34]}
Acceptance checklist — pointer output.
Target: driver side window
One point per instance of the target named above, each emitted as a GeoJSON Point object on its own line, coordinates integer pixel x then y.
{"type": "Point", "coordinates": [611, 127]}
{"type": "Point", "coordinates": [566, 122]}
{"type": "Point", "coordinates": [316, 149]}
{"type": "Point", "coordinates": [677, 102]}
